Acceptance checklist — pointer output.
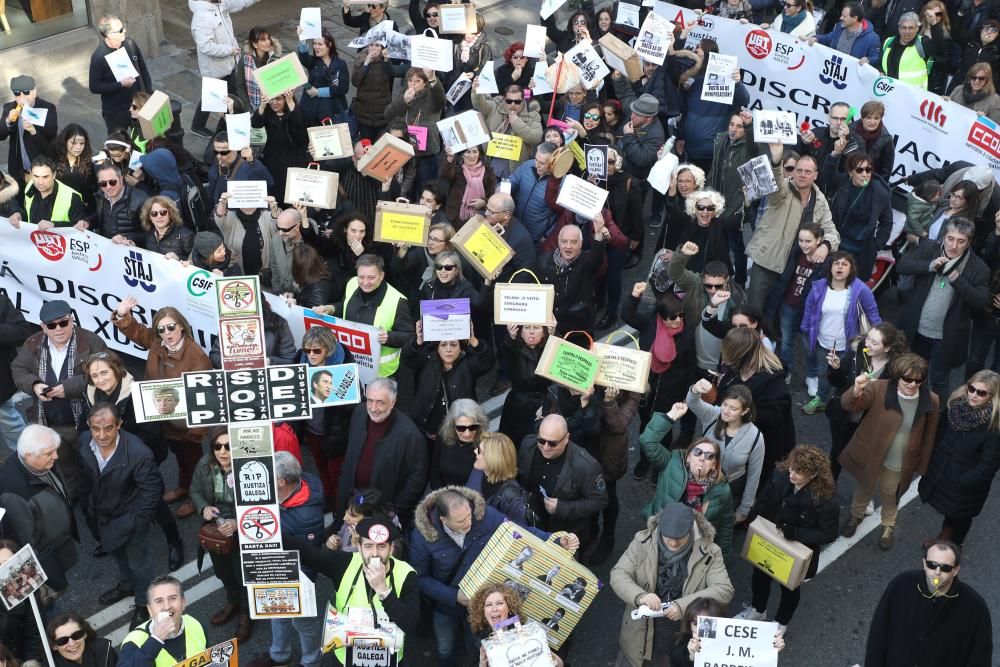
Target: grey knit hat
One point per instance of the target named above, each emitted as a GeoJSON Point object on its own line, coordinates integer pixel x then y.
{"type": "Point", "coordinates": [645, 105]}
{"type": "Point", "coordinates": [205, 243]}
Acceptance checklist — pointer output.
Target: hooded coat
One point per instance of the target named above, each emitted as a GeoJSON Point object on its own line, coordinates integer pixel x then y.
{"type": "Point", "coordinates": [212, 30]}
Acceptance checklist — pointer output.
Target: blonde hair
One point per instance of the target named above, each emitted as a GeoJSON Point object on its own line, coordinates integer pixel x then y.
{"type": "Point", "coordinates": [692, 200]}
{"type": "Point", "coordinates": [992, 382]}
{"type": "Point", "coordinates": [499, 455]}
{"type": "Point", "coordinates": [742, 349]}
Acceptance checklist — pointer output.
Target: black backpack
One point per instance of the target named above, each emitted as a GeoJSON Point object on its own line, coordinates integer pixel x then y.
{"type": "Point", "coordinates": [194, 203]}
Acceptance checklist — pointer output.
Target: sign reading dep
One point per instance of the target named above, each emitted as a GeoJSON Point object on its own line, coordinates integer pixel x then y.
{"type": "Point", "coordinates": [258, 394]}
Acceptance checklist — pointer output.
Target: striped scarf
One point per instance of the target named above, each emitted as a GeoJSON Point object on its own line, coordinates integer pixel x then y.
{"type": "Point", "coordinates": [76, 404]}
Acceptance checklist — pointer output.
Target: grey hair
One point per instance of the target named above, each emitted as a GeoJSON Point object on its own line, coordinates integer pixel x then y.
{"type": "Point", "coordinates": [104, 24]}
{"type": "Point", "coordinates": [287, 467]}
{"type": "Point", "coordinates": [35, 439]}
{"type": "Point", "coordinates": [908, 17]}
{"type": "Point", "coordinates": [546, 148]}
{"type": "Point", "coordinates": [696, 172]}
{"type": "Point", "coordinates": [462, 407]}
{"type": "Point", "coordinates": [958, 225]}
{"type": "Point", "coordinates": [507, 201]}
{"type": "Point", "coordinates": [387, 384]}
{"type": "Point", "coordinates": [692, 201]}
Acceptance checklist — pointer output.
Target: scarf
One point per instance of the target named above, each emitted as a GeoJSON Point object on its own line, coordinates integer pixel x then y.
{"type": "Point", "coordinates": [474, 189]}
{"type": "Point", "coordinates": [664, 346]}
{"type": "Point", "coordinates": [176, 348]}
{"type": "Point", "coordinates": [971, 97]}
{"type": "Point", "coordinates": [696, 489]}
{"type": "Point", "coordinates": [964, 417]}
{"type": "Point", "coordinates": [790, 23]}
{"type": "Point", "coordinates": [671, 570]}
{"type": "Point", "coordinates": [869, 137]}
{"type": "Point", "coordinates": [76, 404]}
{"type": "Point", "coordinates": [562, 264]}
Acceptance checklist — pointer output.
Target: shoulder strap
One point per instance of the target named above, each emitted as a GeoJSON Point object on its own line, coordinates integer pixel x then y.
{"type": "Point", "coordinates": [755, 441]}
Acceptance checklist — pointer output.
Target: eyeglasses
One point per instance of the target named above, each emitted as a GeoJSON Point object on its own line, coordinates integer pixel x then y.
{"type": "Point", "coordinates": [159, 213]}
{"type": "Point", "coordinates": [702, 454]}
{"type": "Point", "coordinates": [551, 444]}
{"type": "Point", "coordinates": [314, 350]}
{"type": "Point", "coordinates": [133, 107]}
{"type": "Point", "coordinates": [436, 239]}
{"type": "Point", "coordinates": [61, 324]}
{"type": "Point", "coordinates": [977, 78]}
{"type": "Point", "coordinates": [431, 15]}
{"type": "Point", "coordinates": [286, 230]}
{"type": "Point", "coordinates": [916, 381]}
{"type": "Point", "coordinates": [711, 286]}
{"type": "Point", "coordinates": [107, 184]}
{"type": "Point", "coordinates": [510, 101]}
{"type": "Point", "coordinates": [789, 169]}
{"type": "Point", "coordinates": [518, 56]}
{"type": "Point", "coordinates": [580, 22]}
{"type": "Point", "coordinates": [981, 393]}
{"type": "Point", "coordinates": [20, 92]}
{"type": "Point", "coordinates": [934, 565]}
{"type": "Point", "coordinates": [219, 446]}
{"type": "Point", "coordinates": [444, 267]}
{"type": "Point", "coordinates": [461, 428]}
{"type": "Point", "coordinates": [167, 327]}
{"type": "Point", "coordinates": [225, 152]}
{"type": "Point", "coordinates": [120, 31]}
{"type": "Point", "coordinates": [862, 170]}
{"type": "Point", "coordinates": [703, 207]}
{"type": "Point", "coordinates": [592, 116]}
{"type": "Point", "coordinates": [76, 636]}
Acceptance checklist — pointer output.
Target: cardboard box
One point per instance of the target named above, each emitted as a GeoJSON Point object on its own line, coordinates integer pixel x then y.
{"type": "Point", "coordinates": [313, 187]}
{"type": "Point", "coordinates": [568, 364]}
{"type": "Point", "coordinates": [622, 57]}
{"type": "Point", "coordinates": [331, 142]}
{"type": "Point", "coordinates": [284, 74]}
{"type": "Point", "coordinates": [402, 222]}
{"type": "Point", "coordinates": [485, 249]}
{"type": "Point", "coordinates": [786, 561]}
{"type": "Point", "coordinates": [523, 303]}
{"type": "Point", "coordinates": [155, 116]}
{"type": "Point", "coordinates": [385, 158]}
{"type": "Point", "coordinates": [457, 19]}
{"type": "Point", "coordinates": [622, 367]}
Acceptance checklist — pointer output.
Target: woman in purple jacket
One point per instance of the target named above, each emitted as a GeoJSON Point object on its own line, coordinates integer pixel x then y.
{"type": "Point", "coordinates": [832, 317]}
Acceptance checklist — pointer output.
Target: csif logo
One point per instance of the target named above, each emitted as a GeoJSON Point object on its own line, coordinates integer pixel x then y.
{"type": "Point", "coordinates": [200, 283]}
{"type": "Point", "coordinates": [138, 272]}
{"type": "Point", "coordinates": [883, 86]}
{"type": "Point", "coordinates": [834, 72]}
{"type": "Point", "coordinates": [759, 44]}
{"type": "Point", "coordinates": [50, 245]}
{"type": "Point", "coordinates": [933, 112]}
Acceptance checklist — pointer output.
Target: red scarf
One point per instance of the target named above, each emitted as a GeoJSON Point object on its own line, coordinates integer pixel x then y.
{"type": "Point", "coordinates": [664, 346]}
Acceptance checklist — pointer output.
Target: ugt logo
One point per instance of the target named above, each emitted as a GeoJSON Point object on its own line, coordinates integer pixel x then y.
{"type": "Point", "coordinates": [759, 44]}
{"type": "Point", "coordinates": [138, 272]}
{"type": "Point", "coordinates": [933, 112]}
{"type": "Point", "coordinates": [834, 72]}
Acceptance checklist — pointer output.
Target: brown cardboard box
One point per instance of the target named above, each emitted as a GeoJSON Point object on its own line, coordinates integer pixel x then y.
{"type": "Point", "coordinates": [385, 158]}
{"type": "Point", "coordinates": [786, 561]}
{"type": "Point", "coordinates": [622, 57]}
{"type": "Point", "coordinates": [485, 249]}
{"type": "Point", "coordinates": [402, 222]}
{"type": "Point", "coordinates": [155, 116]}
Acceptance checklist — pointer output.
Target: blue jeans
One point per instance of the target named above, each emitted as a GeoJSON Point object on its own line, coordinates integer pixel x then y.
{"type": "Point", "coordinates": [449, 630]}
{"type": "Point", "coordinates": [310, 632]}
{"type": "Point", "coordinates": [819, 363]}
{"type": "Point", "coordinates": [135, 568]}
{"type": "Point", "coordinates": [790, 319]}
{"type": "Point", "coordinates": [11, 424]}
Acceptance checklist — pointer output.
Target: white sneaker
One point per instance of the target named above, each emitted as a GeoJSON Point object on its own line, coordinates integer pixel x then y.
{"type": "Point", "coordinates": [870, 509]}
{"type": "Point", "coordinates": [812, 386]}
{"type": "Point", "coordinates": [750, 614]}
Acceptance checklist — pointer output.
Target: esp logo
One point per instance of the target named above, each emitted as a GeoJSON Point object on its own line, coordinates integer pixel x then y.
{"type": "Point", "coordinates": [50, 245]}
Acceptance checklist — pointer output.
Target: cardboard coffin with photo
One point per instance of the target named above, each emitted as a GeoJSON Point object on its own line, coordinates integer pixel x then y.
{"type": "Point", "coordinates": [622, 57]}
{"type": "Point", "coordinates": [568, 364]}
{"type": "Point", "coordinates": [523, 303]}
{"type": "Point", "coordinates": [402, 222]}
{"type": "Point", "coordinates": [284, 74]}
{"type": "Point", "coordinates": [457, 19]}
{"type": "Point", "coordinates": [311, 186]}
{"type": "Point", "coordinates": [516, 557]}
{"type": "Point", "coordinates": [385, 157]}
{"type": "Point", "coordinates": [155, 116]}
{"type": "Point", "coordinates": [483, 247]}
{"type": "Point", "coordinates": [330, 140]}
{"type": "Point", "coordinates": [622, 367]}
{"type": "Point", "coordinates": [786, 561]}
{"type": "Point", "coordinates": [463, 130]}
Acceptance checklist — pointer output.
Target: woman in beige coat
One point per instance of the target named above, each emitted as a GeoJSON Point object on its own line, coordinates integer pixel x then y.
{"type": "Point", "coordinates": [893, 441]}
{"type": "Point", "coordinates": [641, 578]}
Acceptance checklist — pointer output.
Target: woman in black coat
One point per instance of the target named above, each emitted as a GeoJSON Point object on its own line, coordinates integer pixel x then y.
{"type": "Point", "coordinates": [286, 138]}
{"type": "Point", "coordinates": [966, 455]}
{"type": "Point", "coordinates": [520, 351]}
{"type": "Point", "coordinates": [80, 644]}
{"type": "Point", "coordinates": [166, 235]}
{"type": "Point", "coordinates": [310, 273]}
{"type": "Point", "coordinates": [449, 282]}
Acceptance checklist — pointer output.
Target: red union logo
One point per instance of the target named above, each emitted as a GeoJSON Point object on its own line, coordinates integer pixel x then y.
{"type": "Point", "coordinates": [986, 138]}
{"type": "Point", "coordinates": [352, 339]}
{"type": "Point", "coordinates": [51, 246]}
{"type": "Point", "coordinates": [933, 112]}
{"type": "Point", "coordinates": [759, 44]}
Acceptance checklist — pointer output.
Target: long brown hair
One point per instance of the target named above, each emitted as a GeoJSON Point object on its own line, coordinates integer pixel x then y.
{"type": "Point", "coordinates": [810, 460]}
{"type": "Point", "coordinates": [307, 265]}
{"type": "Point", "coordinates": [742, 349]}
{"type": "Point", "coordinates": [170, 311]}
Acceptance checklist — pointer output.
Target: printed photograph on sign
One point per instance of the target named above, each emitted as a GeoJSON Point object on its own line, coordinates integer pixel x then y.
{"type": "Point", "coordinates": [238, 296]}
{"type": "Point", "coordinates": [774, 127]}
{"type": "Point", "coordinates": [250, 440]}
{"type": "Point", "coordinates": [225, 654]}
{"type": "Point", "coordinates": [271, 601]}
{"type": "Point", "coordinates": [719, 85]}
{"type": "Point", "coordinates": [254, 480]}
{"type": "Point", "coordinates": [360, 339]}
{"type": "Point", "coordinates": [20, 576]}
{"type": "Point", "coordinates": [160, 400]}
{"type": "Point", "coordinates": [241, 341]}
{"type": "Point", "coordinates": [731, 640]}
{"type": "Point", "coordinates": [334, 385]}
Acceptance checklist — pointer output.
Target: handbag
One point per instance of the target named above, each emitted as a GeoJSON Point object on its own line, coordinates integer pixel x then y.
{"type": "Point", "coordinates": [864, 324]}
{"type": "Point", "coordinates": [213, 541]}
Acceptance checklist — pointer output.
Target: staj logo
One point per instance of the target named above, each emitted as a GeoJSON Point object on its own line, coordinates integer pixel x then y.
{"type": "Point", "coordinates": [759, 44]}
{"type": "Point", "coordinates": [834, 72]}
{"type": "Point", "coordinates": [933, 112]}
{"type": "Point", "coordinates": [50, 245]}
{"type": "Point", "coordinates": [883, 86]}
{"type": "Point", "coordinates": [138, 272]}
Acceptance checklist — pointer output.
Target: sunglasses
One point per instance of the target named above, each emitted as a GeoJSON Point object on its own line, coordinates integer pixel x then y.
{"type": "Point", "coordinates": [592, 116]}
{"type": "Point", "coordinates": [977, 78]}
{"type": "Point", "coordinates": [285, 230]}
{"type": "Point", "coordinates": [161, 213]}
{"type": "Point", "coordinates": [710, 286]}
{"type": "Point", "coordinates": [314, 350]}
{"type": "Point", "coordinates": [61, 324]}
{"type": "Point", "coordinates": [702, 454]}
{"type": "Point", "coordinates": [917, 381]}
{"type": "Point", "coordinates": [677, 316]}
{"type": "Point", "coordinates": [444, 267]}
{"type": "Point", "coordinates": [167, 327]}
{"type": "Point", "coordinates": [518, 56]}
{"type": "Point", "coordinates": [221, 153]}
{"type": "Point", "coordinates": [703, 207]}
{"type": "Point", "coordinates": [107, 184]}
{"type": "Point", "coordinates": [219, 446]}
{"type": "Point", "coordinates": [80, 634]}
{"type": "Point", "coordinates": [862, 170]}
{"type": "Point", "coordinates": [431, 15]}
{"type": "Point", "coordinates": [20, 92]}
{"type": "Point", "coordinates": [510, 101]}
{"type": "Point", "coordinates": [789, 169]}
{"type": "Point", "coordinates": [552, 444]}
{"type": "Point", "coordinates": [934, 565]}
{"type": "Point", "coordinates": [462, 429]}
{"type": "Point", "coordinates": [981, 393]}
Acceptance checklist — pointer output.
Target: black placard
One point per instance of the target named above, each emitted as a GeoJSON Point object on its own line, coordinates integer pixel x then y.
{"type": "Point", "coordinates": [254, 482]}
{"type": "Point", "coordinates": [260, 394]}
{"type": "Point", "coordinates": [271, 567]}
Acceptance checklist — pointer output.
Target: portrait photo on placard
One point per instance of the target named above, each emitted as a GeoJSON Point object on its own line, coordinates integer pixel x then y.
{"type": "Point", "coordinates": [161, 400]}
{"type": "Point", "coordinates": [334, 385]}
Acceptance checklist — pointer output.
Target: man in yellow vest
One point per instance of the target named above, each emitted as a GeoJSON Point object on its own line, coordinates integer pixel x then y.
{"type": "Point", "coordinates": [49, 202]}
{"type": "Point", "coordinates": [369, 299]}
{"type": "Point", "coordinates": [170, 636]}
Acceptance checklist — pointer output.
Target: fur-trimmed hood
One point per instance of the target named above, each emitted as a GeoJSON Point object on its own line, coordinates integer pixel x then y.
{"type": "Point", "coordinates": [703, 531]}
{"type": "Point", "coordinates": [8, 189]}
{"type": "Point", "coordinates": [428, 521]}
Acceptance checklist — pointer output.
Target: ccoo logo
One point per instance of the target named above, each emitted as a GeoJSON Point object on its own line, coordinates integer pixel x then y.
{"type": "Point", "coordinates": [50, 245]}
{"type": "Point", "coordinates": [759, 44]}
{"type": "Point", "coordinates": [933, 112]}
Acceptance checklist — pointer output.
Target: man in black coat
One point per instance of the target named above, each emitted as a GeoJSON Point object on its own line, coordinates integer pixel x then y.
{"type": "Point", "coordinates": [116, 96]}
{"type": "Point", "coordinates": [118, 207]}
{"type": "Point", "coordinates": [27, 140]}
{"type": "Point", "coordinates": [123, 486]}
{"type": "Point", "coordinates": [573, 272]}
{"type": "Point", "coordinates": [500, 211]}
{"type": "Point", "coordinates": [38, 505]}
{"type": "Point", "coordinates": [386, 451]}
{"type": "Point", "coordinates": [14, 330]}
{"type": "Point", "coordinates": [929, 618]}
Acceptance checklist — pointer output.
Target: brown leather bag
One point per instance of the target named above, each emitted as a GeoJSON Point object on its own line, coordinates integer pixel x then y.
{"type": "Point", "coordinates": [213, 541]}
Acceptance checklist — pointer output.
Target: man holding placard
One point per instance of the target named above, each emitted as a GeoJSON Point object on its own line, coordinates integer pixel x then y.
{"type": "Point", "coordinates": [573, 271]}
{"type": "Point", "coordinates": [116, 93]}
{"type": "Point", "coordinates": [29, 138]}
{"type": "Point", "coordinates": [233, 165]}
{"type": "Point", "coordinates": [509, 115]}
{"type": "Point", "coordinates": [500, 211]}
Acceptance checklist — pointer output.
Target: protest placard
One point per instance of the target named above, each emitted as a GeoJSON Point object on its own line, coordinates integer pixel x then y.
{"type": "Point", "coordinates": [214, 93]}
{"type": "Point", "coordinates": [655, 38]}
{"type": "Point", "coordinates": [597, 160]}
{"type": "Point", "coordinates": [220, 397]}
{"type": "Point", "coordinates": [627, 16]}
{"type": "Point", "coordinates": [524, 644]}
{"type": "Point", "coordinates": [582, 197]}
{"type": "Point", "coordinates": [35, 116]}
{"type": "Point", "coordinates": [663, 170]}
{"type": "Point", "coordinates": [159, 400]}
{"type": "Point", "coordinates": [291, 600]}
{"type": "Point", "coordinates": [155, 116]}
{"type": "Point", "coordinates": [487, 80]}
{"type": "Point", "coordinates": [270, 567]}
{"type": "Point", "coordinates": [622, 367]}
{"type": "Point", "coordinates": [445, 319]}
{"type": "Point", "coordinates": [733, 641]}
{"type": "Point", "coordinates": [534, 41]}
{"type": "Point", "coordinates": [311, 186]}
{"type": "Point", "coordinates": [457, 91]}
{"type": "Point", "coordinates": [466, 129]}
{"type": "Point", "coordinates": [360, 339]}
{"type": "Point", "coordinates": [402, 222]}
{"type": "Point", "coordinates": [542, 85]}
{"type": "Point", "coordinates": [247, 194]}
{"type": "Point", "coordinates": [238, 130]}
{"type": "Point", "coordinates": [330, 141]}
{"type": "Point", "coordinates": [771, 126]}
{"type": "Point", "coordinates": [251, 440]}
{"type": "Point", "coordinates": [505, 146]}
{"type": "Point", "coordinates": [338, 384]}
{"type": "Point", "coordinates": [20, 576]}
{"type": "Point", "coordinates": [378, 33]}
{"type": "Point", "coordinates": [259, 526]}
{"type": "Point", "coordinates": [310, 23]}
{"type": "Point", "coordinates": [431, 53]}
{"type": "Point", "coordinates": [591, 67]}
{"type": "Point", "coordinates": [719, 85]}
{"type": "Point", "coordinates": [549, 7]}
{"type": "Point", "coordinates": [284, 74]}
{"type": "Point", "coordinates": [786, 561]}
{"type": "Point", "coordinates": [121, 65]}
{"type": "Point", "coordinates": [238, 297]}
{"type": "Point", "coordinates": [241, 342]}
{"type": "Point", "coordinates": [385, 157]}
{"type": "Point", "coordinates": [483, 246]}
{"type": "Point", "coordinates": [758, 177]}
{"type": "Point", "coordinates": [568, 364]}
{"type": "Point", "coordinates": [523, 303]}
{"type": "Point", "coordinates": [457, 19]}
{"type": "Point", "coordinates": [254, 480]}
{"type": "Point", "coordinates": [224, 654]}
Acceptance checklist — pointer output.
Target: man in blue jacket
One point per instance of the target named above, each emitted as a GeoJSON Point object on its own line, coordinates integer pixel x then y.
{"type": "Point", "coordinates": [854, 35]}
{"type": "Point", "coordinates": [451, 528]}
{"type": "Point", "coordinates": [527, 187]}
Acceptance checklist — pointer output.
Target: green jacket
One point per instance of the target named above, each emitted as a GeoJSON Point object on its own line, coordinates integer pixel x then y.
{"type": "Point", "coordinates": [919, 214]}
{"type": "Point", "coordinates": [673, 480]}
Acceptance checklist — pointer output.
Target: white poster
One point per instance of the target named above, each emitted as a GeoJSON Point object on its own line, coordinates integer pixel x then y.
{"type": "Point", "coordinates": [247, 194]}
{"type": "Point", "coordinates": [542, 85]}
{"type": "Point", "coordinates": [726, 641]}
{"type": "Point", "coordinates": [431, 53]}
{"type": "Point", "coordinates": [487, 80]}
{"type": "Point", "coordinates": [35, 116]}
{"type": "Point", "coordinates": [580, 196]}
{"type": "Point", "coordinates": [655, 38]}
{"type": "Point", "coordinates": [20, 576]}
{"type": "Point", "coordinates": [379, 33]}
{"type": "Point", "coordinates": [464, 130]}
{"type": "Point", "coordinates": [121, 65]}
{"type": "Point", "coordinates": [771, 126]}
{"type": "Point", "coordinates": [549, 7]}
{"type": "Point", "coordinates": [534, 41]}
{"type": "Point", "coordinates": [454, 19]}
{"type": "Point", "coordinates": [588, 61]}
{"type": "Point", "coordinates": [309, 22]}
{"type": "Point", "coordinates": [627, 15]}
{"type": "Point", "coordinates": [758, 178]}
{"type": "Point", "coordinates": [214, 93]}
{"type": "Point", "coordinates": [719, 85]}
{"type": "Point", "coordinates": [238, 129]}
{"type": "Point", "coordinates": [458, 90]}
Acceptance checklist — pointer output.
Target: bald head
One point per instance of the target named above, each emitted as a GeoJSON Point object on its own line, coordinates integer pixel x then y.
{"type": "Point", "coordinates": [570, 242]}
{"type": "Point", "coordinates": [290, 225]}
{"type": "Point", "coordinates": [500, 209]}
{"type": "Point", "coordinates": [553, 436]}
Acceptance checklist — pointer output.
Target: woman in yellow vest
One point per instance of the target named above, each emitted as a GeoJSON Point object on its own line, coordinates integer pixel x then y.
{"type": "Point", "coordinates": [909, 56]}
{"type": "Point", "coordinates": [371, 583]}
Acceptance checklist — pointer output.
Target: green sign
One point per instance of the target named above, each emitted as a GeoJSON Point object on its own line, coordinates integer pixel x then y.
{"type": "Point", "coordinates": [280, 76]}
{"type": "Point", "coordinates": [574, 366]}
{"type": "Point", "coordinates": [163, 119]}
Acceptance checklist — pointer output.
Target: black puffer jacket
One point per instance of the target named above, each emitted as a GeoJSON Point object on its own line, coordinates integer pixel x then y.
{"type": "Point", "coordinates": [459, 382]}
{"type": "Point", "coordinates": [122, 217]}
{"type": "Point", "coordinates": [961, 470]}
{"type": "Point", "coordinates": [178, 240]}
{"type": "Point", "coordinates": [374, 89]}
{"type": "Point", "coordinates": [19, 633]}
{"type": "Point", "coordinates": [14, 330]}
